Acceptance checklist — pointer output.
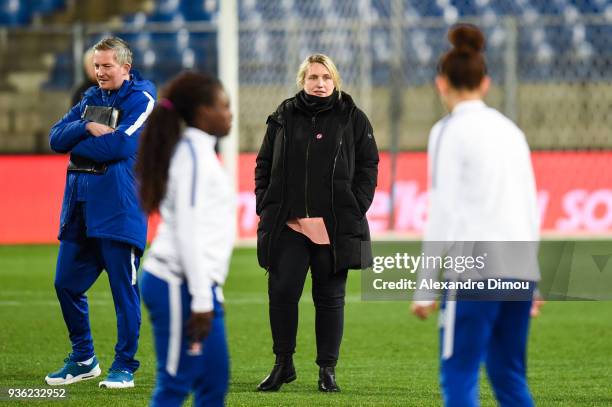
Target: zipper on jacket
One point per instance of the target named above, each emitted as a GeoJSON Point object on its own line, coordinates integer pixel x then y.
{"type": "Point", "coordinates": [313, 121]}
{"type": "Point", "coordinates": [306, 169]}
{"type": "Point", "coordinates": [306, 177]}
{"type": "Point", "coordinates": [306, 180]}
{"type": "Point", "coordinates": [333, 242]}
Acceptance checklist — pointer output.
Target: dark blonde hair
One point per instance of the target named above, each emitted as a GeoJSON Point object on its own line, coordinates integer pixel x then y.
{"type": "Point", "coordinates": [323, 60]}
{"type": "Point", "coordinates": [123, 53]}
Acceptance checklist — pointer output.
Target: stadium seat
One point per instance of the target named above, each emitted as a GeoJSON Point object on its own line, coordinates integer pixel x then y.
{"type": "Point", "coordinates": [13, 13]}
{"type": "Point", "coordinates": [542, 47]}
{"type": "Point", "coordinates": [20, 12]}
{"type": "Point", "coordinates": [199, 10]}
{"type": "Point", "coordinates": [44, 6]}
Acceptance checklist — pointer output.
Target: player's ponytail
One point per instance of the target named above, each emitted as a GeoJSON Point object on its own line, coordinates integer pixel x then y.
{"type": "Point", "coordinates": [464, 65]}
{"type": "Point", "coordinates": [183, 95]}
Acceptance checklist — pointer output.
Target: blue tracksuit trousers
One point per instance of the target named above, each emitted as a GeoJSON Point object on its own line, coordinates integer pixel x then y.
{"type": "Point", "coordinates": [178, 372]}
{"type": "Point", "coordinates": [79, 263]}
{"type": "Point", "coordinates": [493, 332]}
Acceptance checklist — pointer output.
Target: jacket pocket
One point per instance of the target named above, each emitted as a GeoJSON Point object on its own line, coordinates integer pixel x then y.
{"type": "Point", "coordinates": [264, 201]}
{"type": "Point", "coordinates": [262, 248]}
{"type": "Point", "coordinates": [355, 203]}
{"type": "Point", "coordinates": [264, 231]}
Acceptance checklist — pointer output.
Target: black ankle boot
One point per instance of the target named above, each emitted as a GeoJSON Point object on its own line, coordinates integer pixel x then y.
{"type": "Point", "coordinates": [282, 372]}
{"type": "Point", "coordinates": [327, 379]}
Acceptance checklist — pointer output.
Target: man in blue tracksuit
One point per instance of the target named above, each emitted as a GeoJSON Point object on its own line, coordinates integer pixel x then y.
{"type": "Point", "coordinates": [102, 225]}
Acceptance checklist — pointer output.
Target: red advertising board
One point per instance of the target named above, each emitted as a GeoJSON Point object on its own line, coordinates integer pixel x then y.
{"type": "Point", "coordinates": [574, 193]}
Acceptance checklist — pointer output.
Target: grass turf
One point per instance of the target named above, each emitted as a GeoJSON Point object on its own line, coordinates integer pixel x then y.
{"type": "Point", "coordinates": [388, 358]}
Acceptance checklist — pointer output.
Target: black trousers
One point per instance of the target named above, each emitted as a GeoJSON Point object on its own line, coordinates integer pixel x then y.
{"type": "Point", "coordinates": [294, 254]}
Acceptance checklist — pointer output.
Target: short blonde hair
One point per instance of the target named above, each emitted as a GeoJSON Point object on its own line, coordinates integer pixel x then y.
{"type": "Point", "coordinates": [123, 53]}
{"type": "Point", "coordinates": [323, 60]}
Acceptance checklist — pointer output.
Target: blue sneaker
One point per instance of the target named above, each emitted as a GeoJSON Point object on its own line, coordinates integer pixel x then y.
{"type": "Point", "coordinates": [73, 372]}
{"type": "Point", "coordinates": [118, 379]}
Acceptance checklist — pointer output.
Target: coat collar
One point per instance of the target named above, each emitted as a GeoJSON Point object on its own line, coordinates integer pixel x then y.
{"type": "Point", "coordinates": [344, 104]}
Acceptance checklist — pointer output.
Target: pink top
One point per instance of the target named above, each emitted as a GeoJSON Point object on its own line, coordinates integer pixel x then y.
{"type": "Point", "coordinates": [312, 228]}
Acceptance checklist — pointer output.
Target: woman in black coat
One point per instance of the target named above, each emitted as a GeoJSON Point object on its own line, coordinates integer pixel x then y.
{"type": "Point", "coordinates": [314, 181]}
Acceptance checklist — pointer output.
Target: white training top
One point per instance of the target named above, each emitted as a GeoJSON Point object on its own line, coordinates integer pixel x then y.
{"type": "Point", "coordinates": [482, 189]}
{"type": "Point", "coordinates": [198, 220]}
{"type": "Point", "coordinates": [482, 186]}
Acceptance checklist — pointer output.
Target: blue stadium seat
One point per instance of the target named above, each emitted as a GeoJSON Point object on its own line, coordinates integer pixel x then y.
{"type": "Point", "coordinates": [20, 12]}
{"type": "Point", "coordinates": [161, 17]}
{"type": "Point", "coordinates": [271, 10]}
{"type": "Point", "coordinates": [309, 9]}
{"type": "Point", "coordinates": [544, 50]}
{"type": "Point", "coordinates": [167, 6]}
{"type": "Point", "coordinates": [146, 62]}
{"type": "Point", "coordinates": [136, 19]}
{"type": "Point", "coordinates": [382, 8]}
{"type": "Point", "coordinates": [427, 8]}
{"type": "Point", "coordinates": [547, 7]}
{"type": "Point", "coordinates": [505, 7]}
{"type": "Point", "coordinates": [589, 6]}
{"type": "Point", "coordinates": [13, 13]}
{"type": "Point", "coordinates": [198, 10]}
{"type": "Point", "coordinates": [466, 7]}
{"type": "Point", "coordinates": [44, 6]}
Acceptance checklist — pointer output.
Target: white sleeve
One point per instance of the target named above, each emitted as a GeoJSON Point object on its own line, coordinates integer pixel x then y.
{"type": "Point", "coordinates": [445, 166]}
{"type": "Point", "coordinates": [191, 233]}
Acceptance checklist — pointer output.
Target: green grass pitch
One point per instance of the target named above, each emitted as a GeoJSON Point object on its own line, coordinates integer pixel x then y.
{"type": "Point", "coordinates": [388, 358]}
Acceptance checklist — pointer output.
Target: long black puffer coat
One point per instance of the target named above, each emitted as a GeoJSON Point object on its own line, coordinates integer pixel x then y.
{"type": "Point", "coordinates": [345, 175]}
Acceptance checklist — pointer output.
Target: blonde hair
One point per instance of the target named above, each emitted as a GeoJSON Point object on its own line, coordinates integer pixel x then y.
{"type": "Point", "coordinates": [123, 54]}
{"type": "Point", "coordinates": [323, 60]}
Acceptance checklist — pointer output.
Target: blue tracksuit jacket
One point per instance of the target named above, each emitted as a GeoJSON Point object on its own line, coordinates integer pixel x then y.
{"type": "Point", "coordinates": [112, 206]}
